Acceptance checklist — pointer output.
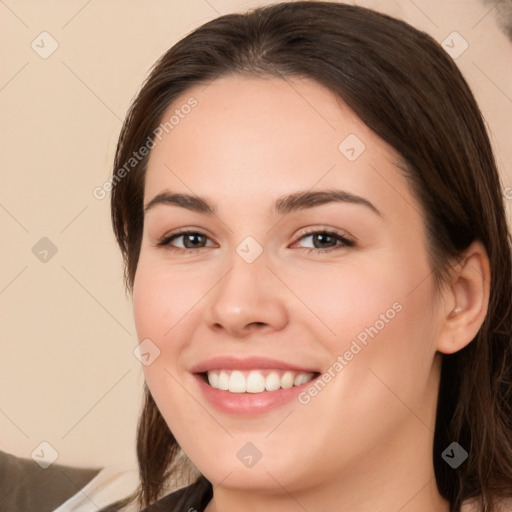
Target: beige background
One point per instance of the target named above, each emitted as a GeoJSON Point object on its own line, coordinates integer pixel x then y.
{"type": "Point", "coordinates": [67, 372]}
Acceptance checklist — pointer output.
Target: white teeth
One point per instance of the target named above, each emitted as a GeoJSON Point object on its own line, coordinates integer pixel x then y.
{"type": "Point", "coordinates": [301, 378]}
{"type": "Point", "coordinates": [287, 380]}
{"type": "Point", "coordinates": [272, 382]}
{"type": "Point", "coordinates": [223, 381]}
{"type": "Point", "coordinates": [213, 379]}
{"type": "Point", "coordinates": [237, 382]}
{"type": "Point", "coordinates": [255, 382]}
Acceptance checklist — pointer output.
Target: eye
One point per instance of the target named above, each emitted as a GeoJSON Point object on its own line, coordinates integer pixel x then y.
{"type": "Point", "coordinates": [331, 237]}
{"type": "Point", "coordinates": [193, 241]}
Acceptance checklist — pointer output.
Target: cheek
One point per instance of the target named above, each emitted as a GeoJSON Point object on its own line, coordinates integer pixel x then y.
{"type": "Point", "coordinates": [155, 305]}
{"type": "Point", "coordinates": [163, 299]}
{"type": "Point", "coordinates": [379, 309]}
{"type": "Point", "coordinates": [344, 298]}
{"type": "Point", "coordinates": [148, 304]}
{"type": "Point", "coordinates": [168, 308]}
{"type": "Point", "coordinates": [400, 350]}
{"type": "Point", "coordinates": [162, 312]}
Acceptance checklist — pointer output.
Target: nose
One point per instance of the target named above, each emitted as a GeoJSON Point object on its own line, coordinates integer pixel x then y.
{"type": "Point", "coordinates": [249, 298]}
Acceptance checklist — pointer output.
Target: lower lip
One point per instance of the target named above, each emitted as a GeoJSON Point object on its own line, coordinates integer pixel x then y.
{"type": "Point", "coordinates": [249, 404]}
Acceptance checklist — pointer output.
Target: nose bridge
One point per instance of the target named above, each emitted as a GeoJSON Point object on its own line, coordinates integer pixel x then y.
{"type": "Point", "coordinates": [244, 284]}
{"type": "Point", "coordinates": [248, 268]}
{"type": "Point", "coordinates": [248, 293]}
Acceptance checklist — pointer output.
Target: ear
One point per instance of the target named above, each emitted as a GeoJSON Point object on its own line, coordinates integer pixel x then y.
{"type": "Point", "coordinates": [466, 299]}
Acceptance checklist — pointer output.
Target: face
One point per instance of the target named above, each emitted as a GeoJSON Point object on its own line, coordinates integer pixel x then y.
{"type": "Point", "coordinates": [268, 289]}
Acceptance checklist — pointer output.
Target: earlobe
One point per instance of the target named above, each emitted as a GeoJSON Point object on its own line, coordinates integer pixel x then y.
{"type": "Point", "coordinates": [467, 300]}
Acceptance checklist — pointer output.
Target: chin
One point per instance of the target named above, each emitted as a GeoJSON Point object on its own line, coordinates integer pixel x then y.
{"type": "Point", "coordinates": [244, 479]}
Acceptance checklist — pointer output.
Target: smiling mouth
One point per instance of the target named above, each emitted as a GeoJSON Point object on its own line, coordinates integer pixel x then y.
{"type": "Point", "coordinates": [256, 381]}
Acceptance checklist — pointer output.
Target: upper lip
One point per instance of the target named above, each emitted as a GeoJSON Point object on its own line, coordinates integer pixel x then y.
{"type": "Point", "coordinates": [247, 363]}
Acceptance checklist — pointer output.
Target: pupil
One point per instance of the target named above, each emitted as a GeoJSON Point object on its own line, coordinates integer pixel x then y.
{"type": "Point", "coordinates": [189, 237]}
{"type": "Point", "coordinates": [322, 237]}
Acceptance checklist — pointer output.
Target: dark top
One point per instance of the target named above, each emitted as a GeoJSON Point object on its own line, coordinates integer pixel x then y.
{"type": "Point", "coordinates": [193, 498]}
{"type": "Point", "coordinates": [25, 486]}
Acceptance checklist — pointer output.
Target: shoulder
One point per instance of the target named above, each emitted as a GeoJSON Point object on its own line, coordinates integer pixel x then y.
{"type": "Point", "coordinates": [193, 497]}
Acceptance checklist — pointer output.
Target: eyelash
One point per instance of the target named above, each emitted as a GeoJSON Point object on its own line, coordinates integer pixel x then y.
{"type": "Point", "coordinates": [346, 242]}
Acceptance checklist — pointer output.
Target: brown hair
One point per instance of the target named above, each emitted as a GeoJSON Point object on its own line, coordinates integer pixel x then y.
{"type": "Point", "coordinates": [400, 82]}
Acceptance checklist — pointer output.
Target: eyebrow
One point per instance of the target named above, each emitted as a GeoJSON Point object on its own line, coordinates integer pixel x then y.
{"type": "Point", "coordinates": [286, 204]}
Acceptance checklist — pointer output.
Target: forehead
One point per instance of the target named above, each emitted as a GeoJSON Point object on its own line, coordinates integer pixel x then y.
{"type": "Point", "coordinates": [246, 137]}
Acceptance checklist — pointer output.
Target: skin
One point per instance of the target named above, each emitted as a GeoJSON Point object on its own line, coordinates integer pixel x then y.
{"type": "Point", "coordinates": [364, 443]}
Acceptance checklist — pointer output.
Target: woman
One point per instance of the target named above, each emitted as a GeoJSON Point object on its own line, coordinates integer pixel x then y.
{"type": "Point", "coordinates": [370, 373]}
